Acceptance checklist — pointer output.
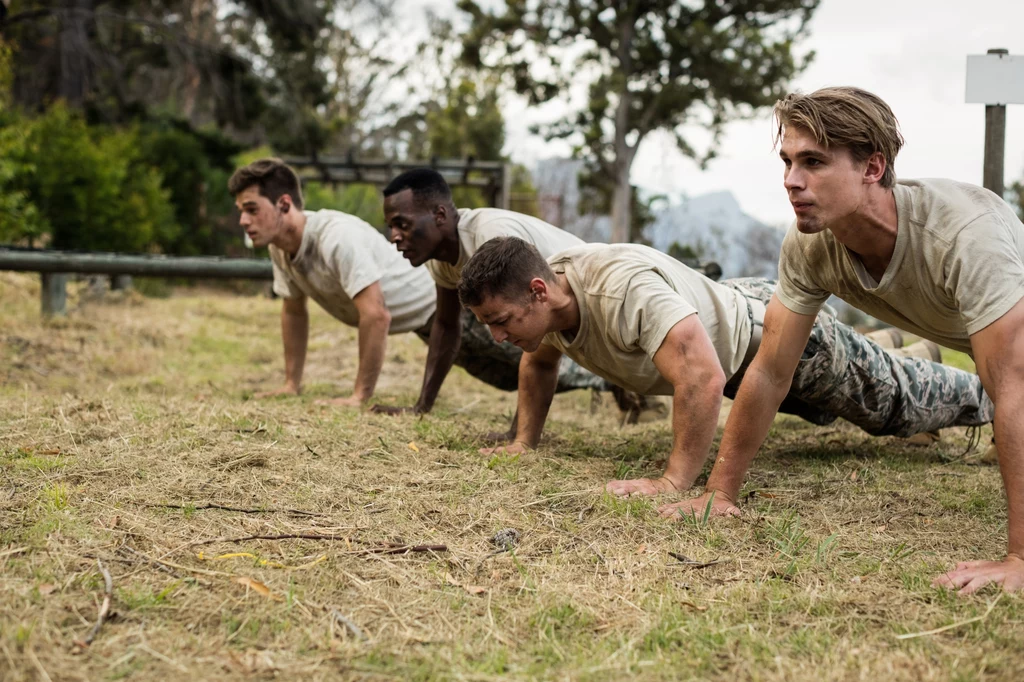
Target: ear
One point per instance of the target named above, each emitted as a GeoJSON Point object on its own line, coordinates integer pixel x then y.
{"type": "Point", "coordinates": [874, 169]}
{"type": "Point", "coordinates": [441, 214]}
{"type": "Point", "coordinates": [538, 290]}
{"type": "Point", "coordinates": [284, 203]}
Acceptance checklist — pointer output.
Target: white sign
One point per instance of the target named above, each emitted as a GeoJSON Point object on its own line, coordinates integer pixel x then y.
{"type": "Point", "coordinates": [995, 79]}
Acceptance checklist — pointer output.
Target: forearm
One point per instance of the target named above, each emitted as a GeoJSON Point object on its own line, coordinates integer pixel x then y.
{"type": "Point", "coordinates": [749, 421]}
{"type": "Point", "coordinates": [373, 339]}
{"type": "Point", "coordinates": [695, 410]}
{"type": "Point", "coordinates": [441, 352]}
{"type": "Point", "coordinates": [295, 335]}
{"type": "Point", "coordinates": [1009, 432]}
{"type": "Point", "coordinates": [537, 385]}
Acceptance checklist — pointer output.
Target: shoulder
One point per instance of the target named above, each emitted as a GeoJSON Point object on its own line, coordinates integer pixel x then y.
{"type": "Point", "coordinates": [944, 207]}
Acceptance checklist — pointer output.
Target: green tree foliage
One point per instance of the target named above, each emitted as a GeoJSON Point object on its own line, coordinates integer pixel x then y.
{"type": "Point", "coordinates": [656, 65]}
{"type": "Point", "coordinates": [91, 187]}
{"type": "Point", "coordinates": [1017, 197]}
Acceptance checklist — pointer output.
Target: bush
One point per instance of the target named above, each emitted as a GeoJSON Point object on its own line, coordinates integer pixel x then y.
{"type": "Point", "coordinates": [91, 189]}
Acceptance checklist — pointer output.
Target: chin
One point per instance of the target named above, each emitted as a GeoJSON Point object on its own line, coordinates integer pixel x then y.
{"type": "Point", "coordinates": [810, 225]}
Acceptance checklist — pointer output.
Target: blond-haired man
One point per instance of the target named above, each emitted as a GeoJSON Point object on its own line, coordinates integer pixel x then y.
{"type": "Point", "coordinates": [939, 258]}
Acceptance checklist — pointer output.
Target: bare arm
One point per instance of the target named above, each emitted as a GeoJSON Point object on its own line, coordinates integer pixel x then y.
{"type": "Point", "coordinates": [295, 335]}
{"type": "Point", "coordinates": [999, 354]}
{"type": "Point", "coordinates": [687, 359]}
{"type": "Point", "coordinates": [538, 378]}
{"type": "Point", "coordinates": [374, 322]}
{"type": "Point", "coordinates": [765, 385]}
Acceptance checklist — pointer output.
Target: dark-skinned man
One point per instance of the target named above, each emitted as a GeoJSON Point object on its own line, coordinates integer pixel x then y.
{"type": "Point", "coordinates": [429, 230]}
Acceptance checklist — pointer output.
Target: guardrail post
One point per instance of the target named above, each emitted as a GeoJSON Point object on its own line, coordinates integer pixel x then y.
{"type": "Point", "coordinates": [120, 282]}
{"type": "Point", "coordinates": [53, 293]}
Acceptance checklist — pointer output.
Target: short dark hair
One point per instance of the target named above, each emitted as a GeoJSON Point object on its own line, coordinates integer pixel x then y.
{"type": "Point", "coordinates": [503, 266]}
{"type": "Point", "coordinates": [273, 177]}
{"type": "Point", "coordinates": [427, 185]}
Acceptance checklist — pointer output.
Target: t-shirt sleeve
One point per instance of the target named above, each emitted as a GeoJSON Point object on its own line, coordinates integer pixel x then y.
{"type": "Point", "coordinates": [649, 310]}
{"type": "Point", "coordinates": [986, 270]}
{"type": "Point", "coordinates": [354, 265]}
{"type": "Point", "coordinates": [796, 288]}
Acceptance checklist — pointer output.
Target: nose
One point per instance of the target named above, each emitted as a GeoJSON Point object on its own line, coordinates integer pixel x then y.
{"type": "Point", "coordinates": [794, 179]}
{"type": "Point", "coordinates": [245, 220]}
{"type": "Point", "coordinates": [393, 235]}
{"type": "Point", "coordinates": [497, 332]}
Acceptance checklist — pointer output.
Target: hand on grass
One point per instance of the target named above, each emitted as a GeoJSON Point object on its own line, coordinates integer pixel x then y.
{"type": "Point", "coordinates": [971, 576]}
{"type": "Point", "coordinates": [720, 506]}
{"type": "Point", "coordinates": [516, 448]}
{"type": "Point", "coordinates": [287, 389]}
{"type": "Point", "coordinates": [650, 487]}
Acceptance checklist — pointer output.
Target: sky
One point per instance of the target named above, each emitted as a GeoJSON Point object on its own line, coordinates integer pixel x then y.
{"type": "Point", "coordinates": [912, 53]}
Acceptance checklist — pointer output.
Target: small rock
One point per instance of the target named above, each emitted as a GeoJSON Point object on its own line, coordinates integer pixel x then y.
{"type": "Point", "coordinates": [506, 539]}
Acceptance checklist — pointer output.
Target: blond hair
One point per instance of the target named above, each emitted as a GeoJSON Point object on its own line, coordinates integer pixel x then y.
{"type": "Point", "coordinates": [844, 117]}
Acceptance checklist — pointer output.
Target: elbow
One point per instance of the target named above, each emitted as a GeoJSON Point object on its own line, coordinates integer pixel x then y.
{"type": "Point", "coordinates": [379, 318]}
{"type": "Point", "coordinates": [716, 380]}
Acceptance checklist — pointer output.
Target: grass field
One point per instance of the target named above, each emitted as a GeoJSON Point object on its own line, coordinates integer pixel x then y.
{"type": "Point", "coordinates": [126, 429]}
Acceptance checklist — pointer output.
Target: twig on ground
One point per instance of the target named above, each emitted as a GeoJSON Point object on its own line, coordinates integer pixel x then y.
{"type": "Point", "coordinates": [690, 563]}
{"type": "Point", "coordinates": [244, 510]}
{"type": "Point", "coordinates": [312, 451]}
{"type": "Point", "coordinates": [190, 569]}
{"type": "Point", "coordinates": [336, 615]}
{"type": "Point", "coordinates": [951, 626]}
{"type": "Point", "coordinates": [10, 552]}
{"type": "Point", "coordinates": [108, 593]}
{"type": "Point", "coordinates": [388, 548]}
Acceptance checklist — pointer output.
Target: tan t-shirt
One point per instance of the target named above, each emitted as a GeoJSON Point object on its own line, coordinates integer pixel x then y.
{"type": "Point", "coordinates": [479, 225]}
{"type": "Point", "coordinates": [958, 265]}
{"type": "Point", "coordinates": [630, 296]}
{"type": "Point", "coordinates": [341, 255]}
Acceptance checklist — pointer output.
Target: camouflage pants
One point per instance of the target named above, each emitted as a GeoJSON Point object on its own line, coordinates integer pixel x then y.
{"type": "Point", "coordinates": [844, 374]}
{"type": "Point", "coordinates": [497, 364]}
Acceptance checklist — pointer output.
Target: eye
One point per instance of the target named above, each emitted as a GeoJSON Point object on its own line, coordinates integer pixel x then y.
{"type": "Point", "coordinates": [813, 162]}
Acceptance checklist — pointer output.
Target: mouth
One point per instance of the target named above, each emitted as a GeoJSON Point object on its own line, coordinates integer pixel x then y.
{"type": "Point", "coordinates": [801, 206]}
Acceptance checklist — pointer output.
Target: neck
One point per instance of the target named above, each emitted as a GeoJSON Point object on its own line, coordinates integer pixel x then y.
{"type": "Point", "coordinates": [448, 250]}
{"type": "Point", "coordinates": [565, 309]}
{"type": "Point", "coordinates": [870, 233]}
{"type": "Point", "coordinates": [290, 238]}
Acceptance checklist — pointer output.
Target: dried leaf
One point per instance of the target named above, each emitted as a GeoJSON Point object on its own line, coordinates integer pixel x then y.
{"type": "Point", "coordinates": [641, 549]}
{"type": "Point", "coordinates": [47, 588]}
{"type": "Point", "coordinates": [853, 476]}
{"type": "Point", "coordinates": [474, 589]}
{"type": "Point", "coordinates": [52, 451]}
{"type": "Point", "coordinates": [413, 447]}
{"type": "Point", "coordinates": [693, 606]}
{"type": "Point", "coordinates": [257, 586]}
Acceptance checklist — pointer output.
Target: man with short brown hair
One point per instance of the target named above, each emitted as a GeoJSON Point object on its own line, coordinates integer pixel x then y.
{"type": "Point", "coordinates": [645, 321]}
{"type": "Point", "coordinates": [338, 260]}
{"type": "Point", "coordinates": [941, 259]}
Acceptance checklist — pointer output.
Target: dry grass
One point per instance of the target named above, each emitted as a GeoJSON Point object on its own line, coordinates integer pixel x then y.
{"type": "Point", "coordinates": [134, 403]}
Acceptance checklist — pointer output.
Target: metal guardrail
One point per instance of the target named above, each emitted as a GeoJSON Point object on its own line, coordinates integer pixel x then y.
{"type": "Point", "coordinates": [55, 266]}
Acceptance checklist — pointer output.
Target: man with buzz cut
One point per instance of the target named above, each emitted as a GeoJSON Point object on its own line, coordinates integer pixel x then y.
{"type": "Point", "coordinates": [427, 228]}
{"type": "Point", "coordinates": [939, 258]}
{"type": "Point", "coordinates": [339, 261]}
{"type": "Point", "coordinates": [647, 322]}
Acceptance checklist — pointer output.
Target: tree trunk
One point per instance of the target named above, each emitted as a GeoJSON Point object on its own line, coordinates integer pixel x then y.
{"type": "Point", "coordinates": [74, 52]}
{"type": "Point", "coordinates": [622, 205]}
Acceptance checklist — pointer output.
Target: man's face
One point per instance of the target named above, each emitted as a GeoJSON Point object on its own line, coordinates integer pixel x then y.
{"type": "Point", "coordinates": [824, 185]}
{"type": "Point", "coordinates": [261, 219]}
{"type": "Point", "coordinates": [412, 227]}
{"type": "Point", "coordinates": [521, 323]}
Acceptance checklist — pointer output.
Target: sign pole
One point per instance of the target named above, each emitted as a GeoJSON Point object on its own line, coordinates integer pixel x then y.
{"type": "Point", "coordinates": [995, 142]}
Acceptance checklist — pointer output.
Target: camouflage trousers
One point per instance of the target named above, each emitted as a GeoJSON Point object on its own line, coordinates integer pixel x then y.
{"type": "Point", "coordinates": [497, 364]}
{"type": "Point", "coordinates": [844, 374]}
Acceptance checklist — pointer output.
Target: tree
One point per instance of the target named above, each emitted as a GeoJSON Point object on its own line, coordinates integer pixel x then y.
{"type": "Point", "coordinates": [1016, 193]}
{"type": "Point", "coordinates": [653, 65]}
